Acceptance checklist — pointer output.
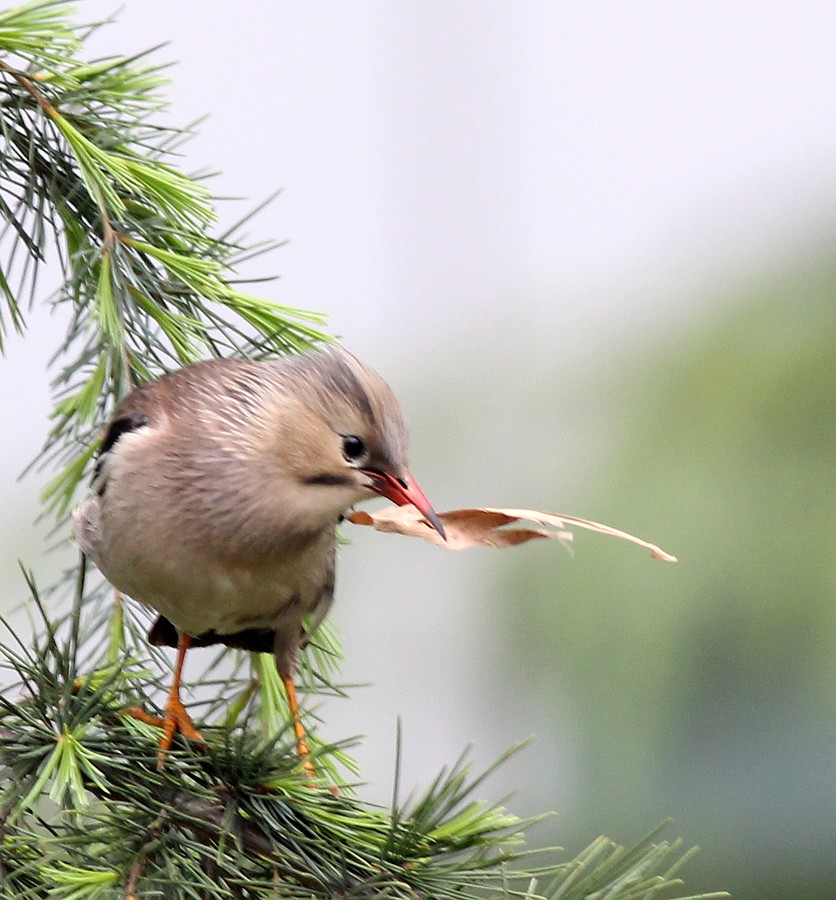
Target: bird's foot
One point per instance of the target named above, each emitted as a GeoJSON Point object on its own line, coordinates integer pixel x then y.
{"type": "Point", "coordinates": [302, 748]}
{"type": "Point", "coordinates": [176, 721]}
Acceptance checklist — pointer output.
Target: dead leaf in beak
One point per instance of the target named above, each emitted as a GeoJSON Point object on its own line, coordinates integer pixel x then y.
{"type": "Point", "coordinates": [489, 527]}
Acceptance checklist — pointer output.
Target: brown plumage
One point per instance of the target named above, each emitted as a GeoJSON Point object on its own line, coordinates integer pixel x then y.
{"type": "Point", "coordinates": [218, 490]}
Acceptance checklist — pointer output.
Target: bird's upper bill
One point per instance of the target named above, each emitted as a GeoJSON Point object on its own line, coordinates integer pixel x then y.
{"type": "Point", "coordinates": [402, 491]}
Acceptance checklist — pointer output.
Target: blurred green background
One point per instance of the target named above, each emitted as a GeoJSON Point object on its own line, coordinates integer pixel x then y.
{"type": "Point", "coordinates": [706, 690]}
{"type": "Point", "coordinates": [591, 248]}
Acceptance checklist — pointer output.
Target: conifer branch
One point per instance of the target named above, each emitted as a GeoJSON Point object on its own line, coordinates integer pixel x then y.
{"type": "Point", "coordinates": [147, 285]}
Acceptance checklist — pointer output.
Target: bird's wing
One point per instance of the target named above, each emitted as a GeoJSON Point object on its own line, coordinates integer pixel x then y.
{"type": "Point", "coordinates": [146, 406]}
{"type": "Point", "coordinates": [119, 426]}
{"type": "Point", "coordinates": [326, 596]}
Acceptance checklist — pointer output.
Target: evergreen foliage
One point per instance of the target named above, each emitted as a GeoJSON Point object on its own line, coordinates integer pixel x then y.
{"type": "Point", "coordinates": [87, 172]}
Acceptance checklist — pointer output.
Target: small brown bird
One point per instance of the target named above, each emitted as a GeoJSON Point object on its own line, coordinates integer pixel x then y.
{"type": "Point", "coordinates": [219, 489]}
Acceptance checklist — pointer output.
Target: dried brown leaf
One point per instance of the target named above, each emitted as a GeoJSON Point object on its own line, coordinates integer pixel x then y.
{"type": "Point", "coordinates": [488, 527]}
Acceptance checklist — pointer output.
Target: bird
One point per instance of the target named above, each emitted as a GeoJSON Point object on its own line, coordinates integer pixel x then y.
{"type": "Point", "coordinates": [216, 496]}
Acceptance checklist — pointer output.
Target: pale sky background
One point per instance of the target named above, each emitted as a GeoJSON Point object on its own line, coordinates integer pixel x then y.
{"type": "Point", "coordinates": [482, 196]}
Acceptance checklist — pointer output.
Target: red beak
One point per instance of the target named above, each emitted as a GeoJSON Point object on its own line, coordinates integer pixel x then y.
{"type": "Point", "coordinates": [402, 491]}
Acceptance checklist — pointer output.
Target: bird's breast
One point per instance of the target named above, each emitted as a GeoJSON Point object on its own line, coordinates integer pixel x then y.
{"type": "Point", "coordinates": [201, 586]}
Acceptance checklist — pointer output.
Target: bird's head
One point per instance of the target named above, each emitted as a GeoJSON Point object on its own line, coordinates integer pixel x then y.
{"type": "Point", "coordinates": [342, 435]}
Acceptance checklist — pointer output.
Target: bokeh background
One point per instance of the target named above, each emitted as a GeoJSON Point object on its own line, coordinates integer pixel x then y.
{"type": "Point", "coordinates": [591, 246]}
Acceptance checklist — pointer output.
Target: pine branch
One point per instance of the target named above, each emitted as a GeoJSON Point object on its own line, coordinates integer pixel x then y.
{"type": "Point", "coordinates": [147, 286]}
{"type": "Point", "coordinates": [86, 168]}
{"type": "Point", "coordinates": [237, 819]}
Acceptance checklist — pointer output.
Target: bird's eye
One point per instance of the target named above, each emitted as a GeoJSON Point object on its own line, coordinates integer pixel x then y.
{"type": "Point", "coordinates": [353, 447]}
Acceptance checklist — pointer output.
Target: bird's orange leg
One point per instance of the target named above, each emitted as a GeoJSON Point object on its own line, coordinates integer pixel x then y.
{"type": "Point", "coordinates": [176, 717]}
{"type": "Point", "coordinates": [298, 728]}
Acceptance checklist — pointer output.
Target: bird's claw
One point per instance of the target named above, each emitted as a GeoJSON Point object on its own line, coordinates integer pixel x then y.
{"type": "Point", "coordinates": [176, 721]}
